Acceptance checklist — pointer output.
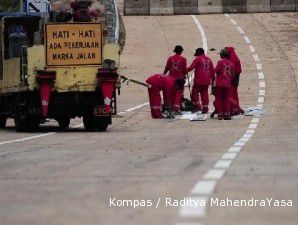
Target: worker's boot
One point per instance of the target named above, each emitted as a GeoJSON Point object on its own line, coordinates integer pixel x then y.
{"type": "Point", "coordinates": [212, 114]}
{"type": "Point", "coordinates": [227, 117]}
{"type": "Point", "coordinates": [169, 113]}
{"type": "Point", "coordinates": [220, 117]}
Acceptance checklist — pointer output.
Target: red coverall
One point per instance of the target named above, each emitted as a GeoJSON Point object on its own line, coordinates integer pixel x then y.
{"type": "Point", "coordinates": [224, 76]}
{"type": "Point", "coordinates": [204, 72]}
{"type": "Point", "coordinates": [235, 104]}
{"type": "Point", "coordinates": [158, 83]}
{"type": "Point", "coordinates": [176, 66]}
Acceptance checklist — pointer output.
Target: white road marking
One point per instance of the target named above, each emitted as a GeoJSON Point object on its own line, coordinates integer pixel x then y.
{"type": "Point", "coordinates": [247, 40]}
{"type": "Point", "coordinates": [259, 66]}
{"type": "Point", "coordinates": [255, 120]}
{"type": "Point", "coordinates": [252, 48]}
{"type": "Point", "coordinates": [256, 58]}
{"type": "Point", "coordinates": [261, 76]}
{"type": "Point", "coordinates": [189, 224]}
{"type": "Point", "coordinates": [262, 92]}
{"type": "Point", "coordinates": [234, 149]}
{"type": "Point", "coordinates": [202, 31]}
{"type": "Point", "coordinates": [229, 155]}
{"type": "Point", "coordinates": [51, 133]}
{"type": "Point", "coordinates": [214, 174]}
{"type": "Point", "coordinates": [253, 126]}
{"type": "Point", "coordinates": [233, 22]}
{"type": "Point", "coordinates": [205, 187]}
{"type": "Point", "coordinates": [241, 31]}
{"type": "Point", "coordinates": [250, 131]}
{"type": "Point", "coordinates": [262, 84]}
{"type": "Point", "coordinates": [247, 135]}
{"type": "Point", "coordinates": [194, 212]}
{"type": "Point", "coordinates": [223, 164]}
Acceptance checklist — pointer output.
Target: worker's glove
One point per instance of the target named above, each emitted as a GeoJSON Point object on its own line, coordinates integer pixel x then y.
{"type": "Point", "coordinates": [213, 89]}
{"type": "Point", "coordinates": [180, 83]}
{"type": "Point", "coordinates": [236, 80]}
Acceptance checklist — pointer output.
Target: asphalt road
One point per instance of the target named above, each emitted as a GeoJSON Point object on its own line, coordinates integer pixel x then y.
{"type": "Point", "coordinates": [61, 178]}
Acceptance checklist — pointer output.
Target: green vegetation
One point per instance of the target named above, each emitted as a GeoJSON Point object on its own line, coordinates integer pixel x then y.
{"type": "Point", "coordinates": [9, 5]}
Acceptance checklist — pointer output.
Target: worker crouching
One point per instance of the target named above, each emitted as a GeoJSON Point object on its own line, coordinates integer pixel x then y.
{"type": "Point", "coordinates": [223, 90]}
{"type": "Point", "coordinates": [157, 84]}
{"type": "Point", "coordinates": [204, 73]}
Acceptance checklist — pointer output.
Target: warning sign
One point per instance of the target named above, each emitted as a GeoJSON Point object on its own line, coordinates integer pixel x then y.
{"type": "Point", "coordinates": [73, 44]}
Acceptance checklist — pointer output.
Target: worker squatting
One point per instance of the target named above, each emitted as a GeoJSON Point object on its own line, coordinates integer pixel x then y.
{"type": "Point", "coordinates": [224, 81]}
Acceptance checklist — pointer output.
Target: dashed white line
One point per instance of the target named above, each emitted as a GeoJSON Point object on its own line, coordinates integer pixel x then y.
{"type": "Point", "coordinates": [205, 187]}
{"type": "Point", "coordinates": [229, 156]}
{"type": "Point", "coordinates": [253, 126]}
{"type": "Point", "coordinates": [261, 76]}
{"type": "Point", "coordinates": [214, 174]}
{"type": "Point", "coordinates": [234, 149]}
{"type": "Point", "coordinates": [233, 22]}
{"type": "Point", "coordinates": [223, 164]}
{"type": "Point", "coordinates": [194, 212]}
{"type": "Point", "coordinates": [262, 84]}
{"type": "Point", "coordinates": [256, 58]}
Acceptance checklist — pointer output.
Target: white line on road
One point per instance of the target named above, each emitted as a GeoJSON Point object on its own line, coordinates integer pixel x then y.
{"type": "Point", "coordinates": [202, 31]}
{"type": "Point", "coordinates": [205, 187]}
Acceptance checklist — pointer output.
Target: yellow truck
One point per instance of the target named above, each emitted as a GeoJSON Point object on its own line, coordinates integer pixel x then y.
{"type": "Point", "coordinates": [56, 70]}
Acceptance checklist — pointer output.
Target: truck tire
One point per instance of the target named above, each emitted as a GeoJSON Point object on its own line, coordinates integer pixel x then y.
{"type": "Point", "coordinates": [102, 123]}
{"type": "Point", "coordinates": [3, 120]}
{"type": "Point", "coordinates": [26, 124]}
{"type": "Point", "coordinates": [63, 122]}
{"type": "Point", "coordinates": [89, 122]}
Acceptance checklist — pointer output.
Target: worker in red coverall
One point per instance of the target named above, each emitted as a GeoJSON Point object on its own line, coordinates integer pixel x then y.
{"type": "Point", "coordinates": [176, 66]}
{"type": "Point", "coordinates": [158, 83]}
{"type": "Point", "coordinates": [223, 90]}
{"type": "Point", "coordinates": [235, 104]}
{"type": "Point", "coordinates": [204, 73]}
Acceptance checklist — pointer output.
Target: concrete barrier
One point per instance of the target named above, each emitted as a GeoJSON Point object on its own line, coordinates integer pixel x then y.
{"type": "Point", "coordinates": [210, 6]}
{"type": "Point", "coordinates": [169, 7]}
{"type": "Point", "coordinates": [283, 5]}
{"type": "Point", "coordinates": [136, 7]}
{"type": "Point", "coordinates": [161, 7]}
{"type": "Point", "coordinates": [186, 7]}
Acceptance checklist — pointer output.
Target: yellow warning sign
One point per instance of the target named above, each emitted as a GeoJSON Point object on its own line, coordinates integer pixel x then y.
{"type": "Point", "coordinates": [73, 44]}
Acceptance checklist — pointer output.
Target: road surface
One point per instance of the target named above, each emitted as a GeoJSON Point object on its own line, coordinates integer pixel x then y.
{"type": "Point", "coordinates": [68, 178]}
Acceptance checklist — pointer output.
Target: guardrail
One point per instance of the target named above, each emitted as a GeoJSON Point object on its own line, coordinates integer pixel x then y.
{"type": "Point", "coordinates": [170, 7]}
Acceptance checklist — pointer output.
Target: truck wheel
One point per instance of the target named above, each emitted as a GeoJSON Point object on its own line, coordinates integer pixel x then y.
{"type": "Point", "coordinates": [89, 121]}
{"type": "Point", "coordinates": [102, 123]}
{"type": "Point", "coordinates": [34, 123]}
{"type": "Point", "coordinates": [63, 122]}
{"type": "Point", "coordinates": [3, 120]}
{"type": "Point", "coordinates": [21, 124]}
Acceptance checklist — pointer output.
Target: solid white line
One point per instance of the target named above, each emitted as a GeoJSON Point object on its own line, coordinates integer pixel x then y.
{"type": "Point", "coordinates": [252, 48]}
{"type": "Point", "coordinates": [205, 187]}
{"type": "Point", "coordinates": [241, 31]}
{"type": "Point", "coordinates": [223, 164]}
{"type": "Point", "coordinates": [259, 66]}
{"type": "Point", "coordinates": [214, 174]}
{"type": "Point", "coordinates": [227, 15]}
{"type": "Point", "coordinates": [26, 139]}
{"type": "Point", "coordinates": [117, 28]}
{"type": "Point", "coordinates": [234, 149]}
{"type": "Point", "coordinates": [260, 105]}
{"type": "Point", "coordinates": [256, 58]}
{"type": "Point", "coordinates": [261, 100]}
{"type": "Point", "coordinates": [202, 31]}
{"type": "Point", "coordinates": [229, 155]}
{"type": "Point", "coordinates": [233, 22]}
{"type": "Point", "coordinates": [247, 40]}
{"type": "Point", "coordinates": [193, 212]}
{"type": "Point", "coordinates": [51, 133]}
